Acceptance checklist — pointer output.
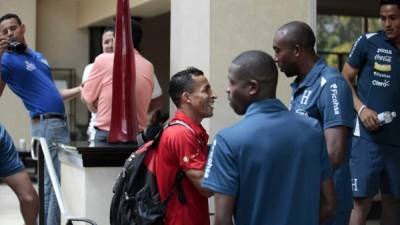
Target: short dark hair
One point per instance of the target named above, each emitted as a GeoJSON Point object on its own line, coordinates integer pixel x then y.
{"type": "Point", "coordinates": [257, 65]}
{"type": "Point", "coordinates": [136, 33]}
{"type": "Point", "coordinates": [182, 82]}
{"type": "Point", "coordinates": [109, 29]}
{"type": "Point", "coordinates": [299, 33]}
{"type": "Point", "coordinates": [390, 2]}
{"type": "Point", "coordinates": [11, 16]}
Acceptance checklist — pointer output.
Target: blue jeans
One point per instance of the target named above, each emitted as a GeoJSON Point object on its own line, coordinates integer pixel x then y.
{"type": "Point", "coordinates": [54, 131]}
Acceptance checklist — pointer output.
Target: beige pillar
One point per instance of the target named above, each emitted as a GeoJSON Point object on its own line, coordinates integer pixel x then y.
{"type": "Point", "coordinates": [209, 34]}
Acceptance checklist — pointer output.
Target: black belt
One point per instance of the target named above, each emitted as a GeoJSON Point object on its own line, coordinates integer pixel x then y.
{"type": "Point", "coordinates": [46, 116]}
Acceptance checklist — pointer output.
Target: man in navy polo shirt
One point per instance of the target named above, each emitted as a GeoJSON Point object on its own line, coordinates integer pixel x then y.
{"type": "Point", "coordinates": [270, 168]}
{"type": "Point", "coordinates": [375, 158]}
{"type": "Point", "coordinates": [28, 75]}
{"type": "Point", "coordinates": [321, 92]}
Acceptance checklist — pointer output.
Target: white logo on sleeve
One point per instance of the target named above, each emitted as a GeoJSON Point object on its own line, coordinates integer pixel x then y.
{"type": "Point", "coordinates": [210, 160]}
{"type": "Point", "coordinates": [335, 101]}
{"type": "Point", "coordinates": [45, 62]}
{"type": "Point", "coordinates": [354, 185]}
{"type": "Point", "coordinates": [29, 66]}
{"type": "Point", "coordinates": [305, 97]}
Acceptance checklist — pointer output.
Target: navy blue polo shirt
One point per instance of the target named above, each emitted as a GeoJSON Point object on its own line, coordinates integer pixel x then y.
{"type": "Point", "coordinates": [272, 162]}
{"type": "Point", "coordinates": [28, 75]}
{"type": "Point", "coordinates": [324, 94]}
{"type": "Point", "coordinates": [378, 83]}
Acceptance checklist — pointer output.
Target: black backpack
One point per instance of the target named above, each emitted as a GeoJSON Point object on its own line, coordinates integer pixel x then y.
{"type": "Point", "coordinates": [136, 199]}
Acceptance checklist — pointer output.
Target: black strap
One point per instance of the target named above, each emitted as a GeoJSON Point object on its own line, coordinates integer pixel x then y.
{"type": "Point", "coordinates": [177, 187]}
{"type": "Point", "coordinates": [179, 176]}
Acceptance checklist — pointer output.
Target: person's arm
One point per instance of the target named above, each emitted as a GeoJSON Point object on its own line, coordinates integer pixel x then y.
{"type": "Point", "coordinates": [156, 96]}
{"type": "Point", "coordinates": [3, 48]}
{"type": "Point", "coordinates": [327, 201]}
{"type": "Point", "coordinates": [92, 106]}
{"type": "Point", "coordinates": [68, 94]}
{"type": "Point", "coordinates": [367, 116]}
{"type": "Point", "coordinates": [155, 104]}
{"type": "Point", "coordinates": [336, 143]}
{"type": "Point", "coordinates": [224, 207]}
{"type": "Point", "coordinates": [196, 177]}
{"type": "Point", "coordinates": [2, 86]}
{"type": "Point", "coordinates": [92, 87]}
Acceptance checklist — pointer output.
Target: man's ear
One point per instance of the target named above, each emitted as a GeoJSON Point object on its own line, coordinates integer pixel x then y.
{"type": "Point", "coordinates": [297, 50]}
{"type": "Point", "coordinates": [253, 87]}
{"type": "Point", "coordinates": [23, 28]}
{"type": "Point", "coordinates": [186, 98]}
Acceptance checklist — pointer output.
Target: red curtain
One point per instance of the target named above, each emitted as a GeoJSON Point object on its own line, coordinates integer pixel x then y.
{"type": "Point", "coordinates": [124, 124]}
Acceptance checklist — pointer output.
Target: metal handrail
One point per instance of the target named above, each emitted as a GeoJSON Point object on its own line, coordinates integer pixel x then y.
{"type": "Point", "coordinates": [40, 143]}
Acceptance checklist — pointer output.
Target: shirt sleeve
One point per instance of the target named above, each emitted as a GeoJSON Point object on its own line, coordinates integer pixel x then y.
{"type": "Point", "coordinates": [189, 153]}
{"type": "Point", "coordinates": [336, 104]}
{"type": "Point", "coordinates": [92, 86]}
{"type": "Point", "coordinates": [86, 72]}
{"type": "Point", "coordinates": [221, 174]}
{"type": "Point", "coordinates": [4, 72]}
{"type": "Point", "coordinates": [157, 92]}
{"type": "Point", "coordinates": [358, 52]}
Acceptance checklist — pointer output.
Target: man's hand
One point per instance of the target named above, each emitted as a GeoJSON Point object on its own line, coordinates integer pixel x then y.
{"type": "Point", "coordinates": [369, 118]}
{"type": "Point", "coordinates": [3, 44]}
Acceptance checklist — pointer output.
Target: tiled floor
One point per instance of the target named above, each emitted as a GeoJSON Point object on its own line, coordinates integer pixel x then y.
{"type": "Point", "coordinates": [9, 208]}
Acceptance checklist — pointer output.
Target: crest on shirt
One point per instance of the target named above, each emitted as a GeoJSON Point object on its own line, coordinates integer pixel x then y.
{"type": "Point", "coordinates": [29, 66]}
{"type": "Point", "coordinates": [305, 97]}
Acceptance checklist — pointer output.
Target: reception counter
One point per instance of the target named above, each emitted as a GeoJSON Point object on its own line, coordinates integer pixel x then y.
{"type": "Point", "coordinates": [87, 177]}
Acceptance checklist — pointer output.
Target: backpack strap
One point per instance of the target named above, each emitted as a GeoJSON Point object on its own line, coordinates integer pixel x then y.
{"type": "Point", "coordinates": [177, 187]}
{"type": "Point", "coordinates": [179, 176]}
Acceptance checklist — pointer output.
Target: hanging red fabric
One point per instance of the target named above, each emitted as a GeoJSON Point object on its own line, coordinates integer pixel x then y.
{"type": "Point", "coordinates": [124, 124]}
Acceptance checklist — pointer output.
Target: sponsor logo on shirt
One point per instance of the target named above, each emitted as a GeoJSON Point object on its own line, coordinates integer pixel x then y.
{"type": "Point", "coordinates": [29, 66]}
{"type": "Point", "coordinates": [210, 160]}
{"type": "Point", "coordinates": [383, 67]}
{"type": "Point", "coordinates": [335, 101]}
{"type": "Point", "coordinates": [382, 50]}
{"type": "Point", "coordinates": [385, 83]}
{"type": "Point", "coordinates": [384, 58]}
{"type": "Point", "coordinates": [45, 62]}
{"type": "Point", "coordinates": [383, 75]}
{"type": "Point", "coordinates": [305, 97]}
{"type": "Point", "coordinates": [302, 112]}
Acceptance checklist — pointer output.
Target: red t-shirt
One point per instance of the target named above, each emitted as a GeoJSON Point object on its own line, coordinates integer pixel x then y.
{"type": "Point", "coordinates": [180, 149]}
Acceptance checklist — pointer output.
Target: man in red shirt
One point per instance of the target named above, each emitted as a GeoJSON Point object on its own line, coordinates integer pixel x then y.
{"type": "Point", "coordinates": [184, 149]}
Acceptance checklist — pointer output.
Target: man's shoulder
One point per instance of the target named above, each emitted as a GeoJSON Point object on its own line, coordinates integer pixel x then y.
{"type": "Point", "coordinates": [103, 60]}
{"type": "Point", "coordinates": [371, 38]}
{"type": "Point", "coordinates": [104, 57]}
{"type": "Point", "coordinates": [176, 132]}
{"type": "Point", "coordinates": [330, 73]}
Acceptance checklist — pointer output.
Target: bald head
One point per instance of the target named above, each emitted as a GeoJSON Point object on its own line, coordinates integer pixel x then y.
{"type": "Point", "coordinates": [298, 33]}
{"type": "Point", "coordinates": [257, 66]}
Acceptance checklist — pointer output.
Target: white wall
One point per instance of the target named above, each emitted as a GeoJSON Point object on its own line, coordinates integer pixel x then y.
{"type": "Point", "coordinates": [209, 34]}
